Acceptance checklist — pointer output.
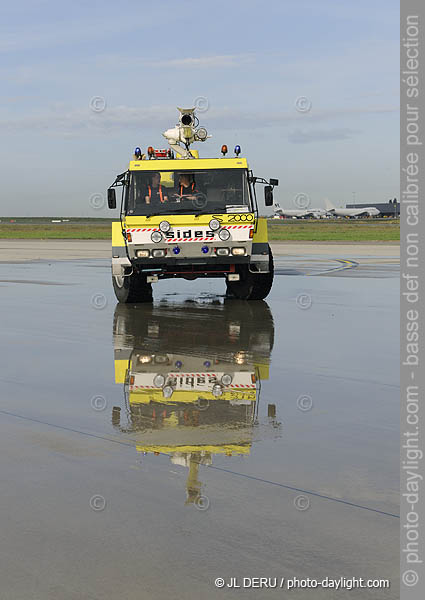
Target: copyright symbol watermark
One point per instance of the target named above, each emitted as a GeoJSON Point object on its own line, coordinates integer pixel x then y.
{"type": "Point", "coordinates": [199, 201]}
{"type": "Point", "coordinates": [304, 301]}
{"type": "Point", "coordinates": [303, 104]}
{"type": "Point", "coordinates": [219, 582]}
{"type": "Point", "coordinates": [202, 503]}
{"type": "Point", "coordinates": [97, 201]}
{"type": "Point", "coordinates": [97, 503]}
{"type": "Point", "coordinates": [302, 200]}
{"type": "Point", "coordinates": [97, 104]}
{"type": "Point", "coordinates": [98, 403]}
{"type": "Point", "coordinates": [201, 104]}
{"type": "Point", "coordinates": [410, 578]}
{"type": "Point", "coordinates": [98, 301]}
{"type": "Point", "coordinates": [305, 402]}
{"type": "Point", "coordinates": [302, 502]}
{"type": "Point", "coordinates": [203, 403]}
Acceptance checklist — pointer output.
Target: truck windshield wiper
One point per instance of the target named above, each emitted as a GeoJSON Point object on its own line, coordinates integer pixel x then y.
{"type": "Point", "coordinates": [190, 211]}
{"type": "Point", "coordinates": [154, 215]}
{"type": "Point", "coordinates": [183, 211]}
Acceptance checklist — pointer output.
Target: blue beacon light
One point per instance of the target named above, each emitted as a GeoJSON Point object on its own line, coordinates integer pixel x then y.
{"type": "Point", "coordinates": [176, 250]}
{"type": "Point", "coordinates": [205, 249]}
{"type": "Point", "coordinates": [237, 150]}
{"type": "Point", "coordinates": [137, 152]}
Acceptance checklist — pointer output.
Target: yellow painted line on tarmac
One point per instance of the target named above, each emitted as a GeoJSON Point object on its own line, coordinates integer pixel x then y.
{"type": "Point", "coordinates": [345, 264]}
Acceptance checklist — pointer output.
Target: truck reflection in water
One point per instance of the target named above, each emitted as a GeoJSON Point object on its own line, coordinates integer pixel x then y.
{"type": "Point", "coordinates": [192, 379]}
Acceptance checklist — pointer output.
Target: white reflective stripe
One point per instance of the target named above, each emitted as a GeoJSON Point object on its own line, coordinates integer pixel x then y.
{"type": "Point", "coordinates": [238, 233]}
{"type": "Point", "coordinates": [135, 229]}
{"type": "Point", "coordinates": [192, 380]}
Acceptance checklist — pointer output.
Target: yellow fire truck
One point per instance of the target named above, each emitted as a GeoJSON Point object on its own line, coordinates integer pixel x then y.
{"type": "Point", "coordinates": [192, 379]}
{"type": "Point", "coordinates": [189, 217]}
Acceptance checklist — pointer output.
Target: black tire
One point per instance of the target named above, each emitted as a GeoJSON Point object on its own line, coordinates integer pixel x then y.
{"type": "Point", "coordinates": [252, 286]}
{"type": "Point", "coordinates": [132, 289]}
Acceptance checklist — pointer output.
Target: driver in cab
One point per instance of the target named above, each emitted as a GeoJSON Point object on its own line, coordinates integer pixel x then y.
{"type": "Point", "coordinates": [154, 192]}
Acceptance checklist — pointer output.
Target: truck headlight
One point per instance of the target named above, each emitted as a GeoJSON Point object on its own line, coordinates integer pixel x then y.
{"type": "Point", "coordinates": [158, 253]}
{"type": "Point", "coordinates": [222, 251]}
{"type": "Point", "coordinates": [161, 359]}
{"type": "Point", "coordinates": [164, 226]}
{"type": "Point", "coordinates": [240, 358]}
{"type": "Point", "coordinates": [217, 390]}
{"type": "Point", "coordinates": [159, 380]}
{"type": "Point", "coordinates": [144, 358]}
{"type": "Point", "coordinates": [167, 391]}
{"type": "Point", "coordinates": [156, 237]}
{"type": "Point", "coordinates": [224, 235]}
{"type": "Point", "coordinates": [142, 253]}
{"type": "Point", "coordinates": [226, 379]}
{"type": "Point", "coordinates": [238, 251]}
{"type": "Point", "coordinates": [214, 224]}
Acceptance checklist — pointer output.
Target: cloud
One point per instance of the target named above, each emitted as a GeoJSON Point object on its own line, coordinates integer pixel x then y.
{"type": "Point", "coordinates": [58, 74]}
{"type": "Point", "coordinates": [198, 62]}
{"type": "Point", "coordinates": [81, 120]}
{"type": "Point", "coordinates": [61, 119]}
{"type": "Point", "coordinates": [329, 135]}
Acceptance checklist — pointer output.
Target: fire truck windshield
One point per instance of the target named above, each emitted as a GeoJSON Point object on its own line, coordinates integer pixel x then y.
{"type": "Point", "coordinates": [185, 192]}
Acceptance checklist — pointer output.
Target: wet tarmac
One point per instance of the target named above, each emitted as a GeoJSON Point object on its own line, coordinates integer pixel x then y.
{"type": "Point", "coordinates": [147, 450]}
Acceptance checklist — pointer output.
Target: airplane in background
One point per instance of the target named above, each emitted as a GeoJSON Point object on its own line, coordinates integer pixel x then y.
{"type": "Point", "coordinates": [369, 211]}
{"type": "Point", "coordinates": [299, 213]}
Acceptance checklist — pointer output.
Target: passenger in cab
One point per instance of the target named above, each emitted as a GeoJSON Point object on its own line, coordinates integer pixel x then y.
{"type": "Point", "coordinates": [187, 186]}
{"type": "Point", "coordinates": [154, 191]}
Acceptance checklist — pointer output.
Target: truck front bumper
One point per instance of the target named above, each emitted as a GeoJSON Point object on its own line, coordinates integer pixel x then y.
{"type": "Point", "coordinates": [215, 266]}
{"type": "Point", "coordinates": [256, 259]}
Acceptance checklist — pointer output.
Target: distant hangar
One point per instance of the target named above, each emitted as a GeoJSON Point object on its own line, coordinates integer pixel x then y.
{"type": "Point", "coordinates": [387, 209]}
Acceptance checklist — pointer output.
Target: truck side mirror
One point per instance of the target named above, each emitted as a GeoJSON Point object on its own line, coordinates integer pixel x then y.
{"type": "Point", "coordinates": [112, 199]}
{"type": "Point", "coordinates": [268, 195]}
{"type": "Point", "coordinates": [274, 182]}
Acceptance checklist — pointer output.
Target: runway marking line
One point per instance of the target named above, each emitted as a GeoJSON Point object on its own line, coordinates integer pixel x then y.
{"type": "Point", "coordinates": [346, 264]}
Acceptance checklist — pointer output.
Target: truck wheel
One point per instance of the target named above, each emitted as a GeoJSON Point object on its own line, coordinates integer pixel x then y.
{"type": "Point", "coordinates": [252, 286]}
{"type": "Point", "coordinates": [132, 288]}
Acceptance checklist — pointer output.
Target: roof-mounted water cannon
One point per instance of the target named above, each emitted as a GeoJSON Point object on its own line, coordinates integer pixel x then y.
{"type": "Point", "coordinates": [185, 132]}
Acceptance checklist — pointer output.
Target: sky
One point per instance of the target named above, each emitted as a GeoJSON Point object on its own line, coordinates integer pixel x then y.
{"type": "Point", "coordinates": [309, 89]}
